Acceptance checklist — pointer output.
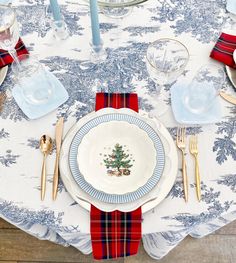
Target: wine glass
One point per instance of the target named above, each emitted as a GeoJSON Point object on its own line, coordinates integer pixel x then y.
{"type": "Point", "coordinates": [9, 32]}
{"type": "Point", "coordinates": [231, 8]}
{"type": "Point", "coordinates": [166, 60]}
{"type": "Point", "coordinates": [34, 81]}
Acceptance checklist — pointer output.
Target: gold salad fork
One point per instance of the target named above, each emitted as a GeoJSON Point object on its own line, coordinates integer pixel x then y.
{"type": "Point", "coordinates": [181, 144]}
{"type": "Point", "coordinates": [193, 148]}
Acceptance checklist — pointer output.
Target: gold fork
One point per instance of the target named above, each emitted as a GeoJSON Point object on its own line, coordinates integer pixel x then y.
{"type": "Point", "coordinates": [181, 144]}
{"type": "Point", "coordinates": [193, 148]}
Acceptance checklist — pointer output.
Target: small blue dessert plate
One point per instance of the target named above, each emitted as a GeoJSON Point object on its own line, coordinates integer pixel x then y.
{"type": "Point", "coordinates": [32, 111]}
{"type": "Point", "coordinates": [184, 116]}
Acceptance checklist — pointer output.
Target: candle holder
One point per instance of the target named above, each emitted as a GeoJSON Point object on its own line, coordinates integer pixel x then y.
{"type": "Point", "coordinates": [59, 29]}
{"type": "Point", "coordinates": [97, 54]}
{"type": "Point", "coordinates": [58, 26]}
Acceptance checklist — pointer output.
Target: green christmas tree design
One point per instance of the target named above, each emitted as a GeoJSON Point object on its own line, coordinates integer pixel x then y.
{"type": "Point", "coordinates": [118, 159]}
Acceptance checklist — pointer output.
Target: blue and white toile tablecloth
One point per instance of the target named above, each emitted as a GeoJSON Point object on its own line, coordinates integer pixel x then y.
{"type": "Point", "coordinates": [197, 24]}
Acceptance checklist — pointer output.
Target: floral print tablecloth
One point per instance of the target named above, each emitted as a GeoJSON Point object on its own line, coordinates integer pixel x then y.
{"type": "Point", "coordinates": [197, 24]}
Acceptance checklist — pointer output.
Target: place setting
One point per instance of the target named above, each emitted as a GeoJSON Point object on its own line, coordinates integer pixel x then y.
{"type": "Point", "coordinates": [116, 165]}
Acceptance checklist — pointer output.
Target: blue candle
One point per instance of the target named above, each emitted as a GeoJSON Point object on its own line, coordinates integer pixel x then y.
{"type": "Point", "coordinates": [56, 12]}
{"type": "Point", "coordinates": [96, 39]}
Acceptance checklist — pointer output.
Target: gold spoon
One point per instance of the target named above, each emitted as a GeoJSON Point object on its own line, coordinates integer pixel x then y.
{"type": "Point", "coordinates": [45, 145]}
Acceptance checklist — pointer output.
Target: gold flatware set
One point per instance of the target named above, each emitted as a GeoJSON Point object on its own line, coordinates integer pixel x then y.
{"type": "Point", "coordinates": [46, 146]}
{"type": "Point", "coordinates": [58, 135]}
{"type": "Point", "coordinates": [228, 97]}
{"type": "Point", "coordinates": [181, 142]}
{"type": "Point", "coordinates": [193, 149]}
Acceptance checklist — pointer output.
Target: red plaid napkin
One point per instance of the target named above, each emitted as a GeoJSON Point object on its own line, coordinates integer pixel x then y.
{"type": "Point", "coordinates": [224, 48]}
{"type": "Point", "coordinates": [115, 234]}
{"type": "Point", "coordinates": [5, 57]}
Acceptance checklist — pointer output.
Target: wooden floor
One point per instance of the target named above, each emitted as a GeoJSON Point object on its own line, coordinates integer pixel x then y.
{"type": "Point", "coordinates": [16, 246]}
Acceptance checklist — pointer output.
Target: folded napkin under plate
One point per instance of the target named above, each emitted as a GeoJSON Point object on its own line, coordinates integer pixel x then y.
{"type": "Point", "coordinates": [224, 49]}
{"type": "Point", "coordinates": [115, 234]}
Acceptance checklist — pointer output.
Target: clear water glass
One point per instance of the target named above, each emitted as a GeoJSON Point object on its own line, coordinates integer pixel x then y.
{"type": "Point", "coordinates": [166, 60]}
{"type": "Point", "coordinates": [9, 32]}
{"type": "Point", "coordinates": [33, 80]}
{"type": "Point", "coordinates": [204, 88]}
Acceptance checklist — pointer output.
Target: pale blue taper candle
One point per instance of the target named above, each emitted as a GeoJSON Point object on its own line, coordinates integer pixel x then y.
{"type": "Point", "coordinates": [55, 8]}
{"type": "Point", "coordinates": [96, 39]}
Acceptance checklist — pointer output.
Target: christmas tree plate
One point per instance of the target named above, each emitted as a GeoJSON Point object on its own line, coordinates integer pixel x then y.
{"type": "Point", "coordinates": [116, 157]}
{"type": "Point", "coordinates": [147, 201]}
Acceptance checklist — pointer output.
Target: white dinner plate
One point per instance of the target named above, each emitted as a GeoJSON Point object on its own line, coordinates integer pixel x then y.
{"type": "Point", "coordinates": [148, 201]}
{"type": "Point", "coordinates": [110, 157]}
{"type": "Point", "coordinates": [3, 73]}
{"type": "Point", "coordinates": [107, 156]}
{"type": "Point", "coordinates": [232, 75]}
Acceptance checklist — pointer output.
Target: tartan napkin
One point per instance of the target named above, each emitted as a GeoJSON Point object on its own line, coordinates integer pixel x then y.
{"type": "Point", "coordinates": [5, 57]}
{"type": "Point", "coordinates": [224, 48]}
{"type": "Point", "coordinates": [115, 234]}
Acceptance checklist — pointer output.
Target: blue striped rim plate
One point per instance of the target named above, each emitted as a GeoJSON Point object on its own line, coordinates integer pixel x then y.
{"type": "Point", "coordinates": [116, 198]}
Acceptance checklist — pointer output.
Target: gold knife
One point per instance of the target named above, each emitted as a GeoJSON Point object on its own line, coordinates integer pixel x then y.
{"type": "Point", "coordinates": [59, 133]}
{"type": "Point", "coordinates": [228, 97]}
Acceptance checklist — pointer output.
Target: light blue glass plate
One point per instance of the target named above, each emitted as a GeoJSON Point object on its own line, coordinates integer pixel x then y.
{"type": "Point", "coordinates": [32, 111]}
{"type": "Point", "coordinates": [117, 198]}
{"type": "Point", "coordinates": [184, 116]}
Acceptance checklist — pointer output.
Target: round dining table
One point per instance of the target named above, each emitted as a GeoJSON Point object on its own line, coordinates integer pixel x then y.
{"type": "Point", "coordinates": [197, 24]}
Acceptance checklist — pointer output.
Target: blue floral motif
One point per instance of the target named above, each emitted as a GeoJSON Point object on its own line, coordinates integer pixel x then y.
{"type": "Point", "coordinates": [177, 190]}
{"type": "Point", "coordinates": [124, 64]}
{"type": "Point", "coordinates": [214, 210]}
{"type": "Point", "coordinates": [33, 143]}
{"type": "Point", "coordinates": [40, 22]}
{"type": "Point", "coordinates": [4, 134]}
{"type": "Point", "coordinates": [60, 187]}
{"type": "Point", "coordinates": [225, 147]}
{"type": "Point", "coordinates": [228, 180]}
{"type": "Point", "coordinates": [189, 131]}
{"type": "Point", "coordinates": [202, 19]}
{"type": "Point", "coordinates": [26, 218]}
{"type": "Point", "coordinates": [105, 27]}
{"type": "Point", "coordinates": [8, 159]}
{"type": "Point", "coordinates": [139, 30]}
